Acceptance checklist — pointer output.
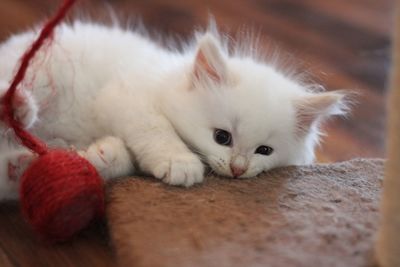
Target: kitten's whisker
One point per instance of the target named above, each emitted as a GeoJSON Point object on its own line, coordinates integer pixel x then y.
{"type": "Point", "coordinates": [210, 172]}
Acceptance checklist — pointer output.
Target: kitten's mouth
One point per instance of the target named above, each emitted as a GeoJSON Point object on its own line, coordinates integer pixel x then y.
{"type": "Point", "coordinates": [210, 171]}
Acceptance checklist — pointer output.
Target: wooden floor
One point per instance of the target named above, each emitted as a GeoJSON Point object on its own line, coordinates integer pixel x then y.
{"type": "Point", "coordinates": [342, 44]}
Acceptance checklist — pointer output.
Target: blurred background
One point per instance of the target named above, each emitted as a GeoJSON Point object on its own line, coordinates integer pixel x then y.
{"type": "Point", "coordinates": [342, 44]}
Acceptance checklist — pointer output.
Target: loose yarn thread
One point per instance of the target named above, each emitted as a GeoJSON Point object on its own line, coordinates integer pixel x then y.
{"type": "Point", "coordinates": [27, 139]}
{"type": "Point", "coordinates": [60, 192]}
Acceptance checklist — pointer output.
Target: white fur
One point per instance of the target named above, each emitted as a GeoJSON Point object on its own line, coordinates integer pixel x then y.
{"type": "Point", "coordinates": [122, 100]}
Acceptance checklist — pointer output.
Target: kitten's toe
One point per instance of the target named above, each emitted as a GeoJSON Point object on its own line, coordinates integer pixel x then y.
{"type": "Point", "coordinates": [12, 166]}
{"type": "Point", "coordinates": [110, 157]}
{"type": "Point", "coordinates": [183, 171]}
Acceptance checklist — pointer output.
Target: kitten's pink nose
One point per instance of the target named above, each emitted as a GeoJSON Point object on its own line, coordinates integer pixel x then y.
{"type": "Point", "coordinates": [236, 171]}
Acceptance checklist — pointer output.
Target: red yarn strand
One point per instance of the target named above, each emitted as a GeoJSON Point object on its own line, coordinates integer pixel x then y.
{"type": "Point", "coordinates": [60, 192]}
{"type": "Point", "coordinates": [27, 139]}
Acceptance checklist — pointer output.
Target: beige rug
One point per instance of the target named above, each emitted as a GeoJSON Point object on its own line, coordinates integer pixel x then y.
{"type": "Point", "coordinates": [320, 215]}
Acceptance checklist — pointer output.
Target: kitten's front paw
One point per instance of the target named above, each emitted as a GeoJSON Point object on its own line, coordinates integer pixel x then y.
{"type": "Point", "coordinates": [184, 170]}
{"type": "Point", "coordinates": [110, 157]}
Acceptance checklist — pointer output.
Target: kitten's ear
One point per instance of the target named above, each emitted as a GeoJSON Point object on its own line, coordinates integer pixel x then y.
{"type": "Point", "coordinates": [313, 108]}
{"type": "Point", "coordinates": [209, 62]}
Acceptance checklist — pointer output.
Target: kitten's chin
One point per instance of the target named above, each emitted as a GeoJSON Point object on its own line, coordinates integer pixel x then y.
{"type": "Point", "coordinates": [219, 168]}
{"type": "Point", "coordinates": [222, 173]}
{"type": "Point", "coordinates": [215, 169]}
{"type": "Point", "coordinates": [228, 174]}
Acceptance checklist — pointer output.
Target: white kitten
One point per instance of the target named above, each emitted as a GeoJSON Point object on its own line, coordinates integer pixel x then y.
{"type": "Point", "coordinates": [122, 100]}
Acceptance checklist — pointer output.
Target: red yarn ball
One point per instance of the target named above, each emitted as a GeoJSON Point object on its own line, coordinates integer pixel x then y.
{"type": "Point", "coordinates": [60, 194]}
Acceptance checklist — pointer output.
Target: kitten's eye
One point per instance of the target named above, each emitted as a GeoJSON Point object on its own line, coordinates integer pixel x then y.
{"type": "Point", "coordinates": [222, 137]}
{"type": "Point", "coordinates": [264, 150]}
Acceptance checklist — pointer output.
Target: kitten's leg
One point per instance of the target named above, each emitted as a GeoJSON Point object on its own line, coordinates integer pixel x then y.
{"type": "Point", "coordinates": [151, 138]}
{"type": "Point", "coordinates": [12, 165]}
{"type": "Point", "coordinates": [163, 154]}
{"type": "Point", "coordinates": [26, 109]}
{"type": "Point", "coordinates": [110, 157]}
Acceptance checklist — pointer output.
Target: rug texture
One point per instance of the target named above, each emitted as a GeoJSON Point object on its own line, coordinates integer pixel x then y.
{"type": "Point", "coordinates": [319, 215]}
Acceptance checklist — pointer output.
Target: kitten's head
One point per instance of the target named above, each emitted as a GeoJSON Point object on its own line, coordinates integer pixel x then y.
{"type": "Point", "coordinates": [244, 117]}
